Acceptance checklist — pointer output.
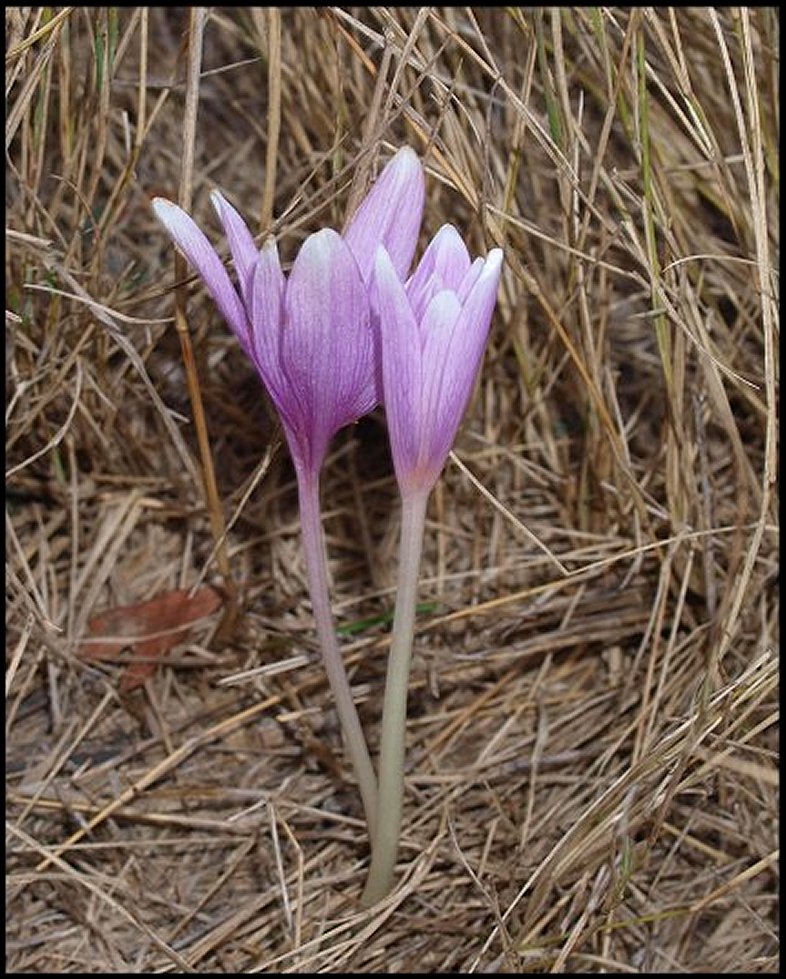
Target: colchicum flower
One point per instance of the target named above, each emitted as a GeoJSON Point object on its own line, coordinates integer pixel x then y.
{"type": "Point", "coordinates": [310, 338]}
{"type": "Point", "coordinates": [432, 333]}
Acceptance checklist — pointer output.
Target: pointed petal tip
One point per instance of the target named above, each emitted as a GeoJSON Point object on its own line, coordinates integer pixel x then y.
{"type": "Point", "coordinates": [406, 156]}
{"type": "Point", "coordinates": [448, 240]}
{"type": "Point", "coordinates": [407, 167]}
{"type": "Point", "coordinates": [492, 267]}
{"type": "Point", "coordinates": [494, 257]}
{"type": "Point", "coordinates": [161, 206]}
{"type": "Point", "coordinates": [223, 208]}
{"type": "Point", "coordinates": [383, 270]}
{"type": "Point", "coordinates": [390, 214]}
{"type": "Point", "coordinates": [178, 224]}
{"type": "Point", "coordinates": [381, 257]}
{"type": "Point", "coordinates": [319, 249]}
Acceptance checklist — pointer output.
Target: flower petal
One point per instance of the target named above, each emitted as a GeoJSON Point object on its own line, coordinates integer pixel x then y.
{"type": "Point", "coordinates": [442, 375]}
{"type": "Point", "coordinates": [390, 215]}
{"type": "Point", "coordinates": [203, 257]}
{"type": "Point", "coordinates": [327, 350]}
{"type": "Point", "coordinates": [453, 356]}
{"type": "Point", "coordinates": [241, 244]}
{"type": "Point", "coordinates": [470, 278]}
{"type": "Point", "coordinates": [444, 265]}
{"type": "Point", "coordinates": [482, 297]}
{"type": "Point", "coordinates": [401, 356]}
{"type": "Point", "coordinates": [266, 307]}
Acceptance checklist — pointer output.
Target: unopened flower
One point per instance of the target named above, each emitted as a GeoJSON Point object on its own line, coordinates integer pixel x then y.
{"type": "Point", "coordinates": [432, 332]}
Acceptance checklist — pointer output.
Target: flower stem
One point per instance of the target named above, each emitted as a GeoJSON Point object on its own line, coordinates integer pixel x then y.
{"type": "Point", "coordinates": [394, 711]}
{"type": "Point", "coordinates": [316, 569]}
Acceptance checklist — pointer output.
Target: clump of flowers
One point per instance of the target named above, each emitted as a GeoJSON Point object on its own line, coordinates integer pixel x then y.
{"type": "Point", "coordinates": [346, 330]}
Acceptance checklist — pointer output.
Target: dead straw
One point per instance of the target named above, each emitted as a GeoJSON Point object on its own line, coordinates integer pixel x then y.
{"type": "Point", "coordinates": [592, 780]}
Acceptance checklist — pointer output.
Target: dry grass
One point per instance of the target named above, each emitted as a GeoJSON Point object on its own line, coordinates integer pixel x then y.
{"type": "Point", "coordinates": [592, 755]}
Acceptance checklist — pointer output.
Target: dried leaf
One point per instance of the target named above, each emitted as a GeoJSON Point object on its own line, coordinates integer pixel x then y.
{"type": "Point", "coordinates": [149, 629]}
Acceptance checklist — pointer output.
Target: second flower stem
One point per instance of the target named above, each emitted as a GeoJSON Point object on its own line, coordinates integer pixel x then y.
{"type": "Point", "coordinates": [394, 710]}
{"type": "Point", "coordinates": [316, 569]}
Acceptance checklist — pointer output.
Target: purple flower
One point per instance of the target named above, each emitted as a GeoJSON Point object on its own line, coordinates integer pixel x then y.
{"type": "Point", "coordinates": [310, 335]}
{"type": "Point", "coordinates": [432, 333]}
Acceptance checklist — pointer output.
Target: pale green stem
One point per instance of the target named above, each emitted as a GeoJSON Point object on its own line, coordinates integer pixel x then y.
{"type": "Point", "coordinates": [394, 711]}
{"type": "Point", "coordinates": [316, 568]}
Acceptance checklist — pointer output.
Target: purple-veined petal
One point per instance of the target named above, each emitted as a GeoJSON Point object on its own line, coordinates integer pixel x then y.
{"type": "Point", "coordinates": [266, 310]}
{"type": "Point", "coordinates": [453, 357]}
{"type": "Point", "coordinates": [327, 350]}
{"type": "Point", "coordinates": [470, 278]}
{"type": "Point", "coordinates": [482, 297]}
{"type": "Point", "coordinates": [204, 258]}
{"type": "Point", "coordinates": [241, 244]}
{"type": "Point", "coordinates": [390, 215]}
{"type": "Point", "coordinates": [421, 290]}
{"type": "Point", "coordinates": [442, 375]}
{"type": "Point", "coordinates": [401, 355]}
{"type": "Point", "coordinates": [448, 256]}
{"type": "Point", "coordinates": [444, 265]}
